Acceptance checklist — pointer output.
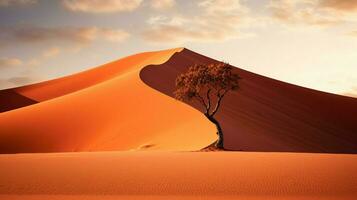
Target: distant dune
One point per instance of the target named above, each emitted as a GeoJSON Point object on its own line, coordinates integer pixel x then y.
{"type": "Point", "coordinates": [122, 106]}
{"type": "Point", "coordinates": [106, 108]}
{"type": "Point", "coordinates": [270, 115]}
{"type": "Point", "coordinates": [10, 99]}
{"type": "Point", "coordinates": [174, 175]}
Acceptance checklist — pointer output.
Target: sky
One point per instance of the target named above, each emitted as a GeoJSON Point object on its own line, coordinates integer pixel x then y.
{"type": "Point", "coordinates": [311, 43]}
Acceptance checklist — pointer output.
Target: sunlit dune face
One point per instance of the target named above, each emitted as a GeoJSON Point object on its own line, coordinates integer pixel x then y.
{"type": "Point", "coordinates": [107, 108]}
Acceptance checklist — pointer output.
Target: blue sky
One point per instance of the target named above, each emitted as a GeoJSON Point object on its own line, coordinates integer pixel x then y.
{"type": "Point", "coordinates": [312, 43]}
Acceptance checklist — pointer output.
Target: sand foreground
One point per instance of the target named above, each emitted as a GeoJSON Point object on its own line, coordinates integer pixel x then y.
{"type": "Point", "coordinates": [178, 175]}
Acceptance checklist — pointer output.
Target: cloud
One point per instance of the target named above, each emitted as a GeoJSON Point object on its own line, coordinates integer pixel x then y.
{"type": "Point", "coordinates": [352, 33]}
{"type": "Point", "coordinates": [81, 35]}
{"type": "Point", "coordinates": [162, 4]}
{"type": "Point", "coordinates": [51, 52]}
{"type": "Point", "coordinates": [313, 12]}
{"type": "Point", "coordinates": [6, 3]}
{"type": "Point", "coordinates": [339, 5]}
{"type": "Point", "coordinates": [15, 82]}
{"type": "Point", "coordinates": [114, 35]}
{"type": "Point", "coordinates": [301, 12]}
{"type": "Point", "coordinates": [9, 62]}
{"type": "Point", "coordinates": [101, 6]}
{"type": "Point", "coordinates": [217, 20]}
{"type": "Point", "coordinates": [20, 80]}
{"type": "Point", "coordinates": [30, 34]}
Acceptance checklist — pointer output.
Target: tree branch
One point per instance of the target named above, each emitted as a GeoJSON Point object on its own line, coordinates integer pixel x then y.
{"type": "Point", "coordinates": [220, 97]}
{"type": "Point", "coordinates": [224, 92]}
{"type": "Point", "coordinates": [209, 101]}
{"type": "Point", "coordinates": [200, 99]}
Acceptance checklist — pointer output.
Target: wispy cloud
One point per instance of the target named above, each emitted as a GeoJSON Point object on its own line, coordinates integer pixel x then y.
{"type": "Point", "coordinates": [162, 4]}
{"type": "Point", "coordinates": [113, 35]}
{"type": "Point", "coordinates": [352, 33]}
{"type": "Point", "coordinates": [20, 80]}
{"type": "Point", "coordinates": [313, 12]}
{"type": "Point", "coordinates": [339, 5]}
{"type": "Point", "coordinates": [218, 20]}
{"type": "Point", "coordinates": [81, 35]}
{"type": "Point", "coordinates": [101, 6]}
{"type": "Point", "coordinates": [9, 62]}
{"type": "Point", "coordinates": [51, 52]}
{"type": "Point", "coordinates": [6, 3]}
{"type": "Point", "coordinates": [24, 78]}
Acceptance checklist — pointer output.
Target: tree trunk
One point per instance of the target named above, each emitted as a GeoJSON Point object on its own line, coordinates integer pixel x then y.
{"type": "Point", "coordinates": [219, 143]}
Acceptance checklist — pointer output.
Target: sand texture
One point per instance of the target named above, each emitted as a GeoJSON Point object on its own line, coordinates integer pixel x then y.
{"type": "Point", "coordinates": [183, 175]}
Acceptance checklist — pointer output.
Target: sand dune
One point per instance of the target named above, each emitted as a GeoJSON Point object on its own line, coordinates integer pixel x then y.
{"type": "Point", "coordinates": [175, 175]}
{"type": "Point", "coordinates": [12, 98]}
{"type": "Point", "coordinates": [111, 108]}
{"type": "Point", "coordinates": [269, 115]}
{"type": "Point", "coordinates": [107, 108]}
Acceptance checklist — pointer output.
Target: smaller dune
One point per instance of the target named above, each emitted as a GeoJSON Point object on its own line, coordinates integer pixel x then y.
{"type": "Point", "coordinates": [10, 100]}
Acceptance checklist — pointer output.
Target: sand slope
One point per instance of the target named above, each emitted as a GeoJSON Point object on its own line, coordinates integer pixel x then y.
{"type": "Point", "coordinates": [107, 108]}
{"type": "Point", "coordinates": [269, 115]}
{"type": "Point", "coordinates": [163, 174]}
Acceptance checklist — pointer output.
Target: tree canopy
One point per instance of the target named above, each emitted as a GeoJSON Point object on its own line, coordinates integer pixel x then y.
{"type": "Point", "coordinates": [207, 84]}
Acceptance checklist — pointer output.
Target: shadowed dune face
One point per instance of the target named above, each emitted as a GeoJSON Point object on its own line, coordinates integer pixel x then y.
{"type": "Point", "coordinates": [269, 115]}
{"type": "Point", "coordinates": [107, 108]}
{"type": "Point", "coordinates": [10, 100]}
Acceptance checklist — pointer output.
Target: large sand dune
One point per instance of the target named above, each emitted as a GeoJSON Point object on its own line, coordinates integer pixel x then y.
{"type": "Point", "coordinates": [107, 108]}
{"type": "Point", "coordinates": [175, 175]}
{"type": "Point", "coordinates": [270, 115]}
{"type": "Point", "coordinates": [111, 108]}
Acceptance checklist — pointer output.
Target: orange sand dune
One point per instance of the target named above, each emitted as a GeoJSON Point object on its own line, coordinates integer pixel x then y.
{"type": "Point", "coordinates": [31, 94]}
{"type": "Point", "coordinates": [270, 115]}
{"type": "Point", "coordinates": [175, 175]}
{"type": "Point", "coordinates": [107, 108]}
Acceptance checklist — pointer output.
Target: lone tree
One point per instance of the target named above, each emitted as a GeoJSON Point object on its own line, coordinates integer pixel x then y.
{"type": "Point", "coordinates": [207, 84]}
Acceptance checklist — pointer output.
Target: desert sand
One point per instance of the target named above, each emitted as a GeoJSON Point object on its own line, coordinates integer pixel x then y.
{"type": "Point", "coordinates": [270, 115]}
{"type": "Point", "coordinates": [107, 108]}
{"type": "Point", "coordinates": [127, 105]}
{"type": "Point", "coordinates": [178, 175]}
